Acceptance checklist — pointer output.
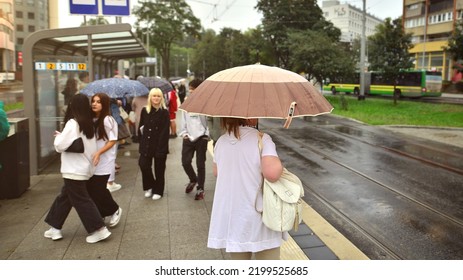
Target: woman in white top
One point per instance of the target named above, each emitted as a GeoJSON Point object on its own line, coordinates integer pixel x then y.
{"type": "Point", "coordinates": [104, 159]}
{"type": "Point", "coordinates": [76, 169]}
{"type": "Point", "coordinates": [235, 223]}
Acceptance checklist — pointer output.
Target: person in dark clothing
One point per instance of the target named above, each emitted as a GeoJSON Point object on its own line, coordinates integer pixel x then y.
{"type": "Point", "coordinates": [153, 134]}
{"type": "Point", "coordinates": [181, 92]}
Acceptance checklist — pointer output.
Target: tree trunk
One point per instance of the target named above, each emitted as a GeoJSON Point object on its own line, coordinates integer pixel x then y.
{"type": "Point", "coordinates": [396, 95]}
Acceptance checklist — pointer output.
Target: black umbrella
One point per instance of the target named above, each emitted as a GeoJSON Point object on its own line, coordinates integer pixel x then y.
{"type": "Point", "coordinates": [156, 82]}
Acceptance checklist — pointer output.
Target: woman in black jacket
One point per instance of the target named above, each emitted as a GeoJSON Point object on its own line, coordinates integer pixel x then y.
{"type": "Point", "coordinates": [153, 135]}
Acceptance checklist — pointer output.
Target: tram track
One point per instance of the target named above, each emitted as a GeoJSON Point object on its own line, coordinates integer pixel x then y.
{"type": "Point", "coordinates": [387, 249]}
{"type": "Point", "coordinates": [389, 188]}
{"type": "Point", "coordinates": [364, 232]}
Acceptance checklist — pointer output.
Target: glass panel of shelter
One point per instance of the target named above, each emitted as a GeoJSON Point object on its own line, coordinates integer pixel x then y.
{"type": "Point", "coordinates": [51, 75]}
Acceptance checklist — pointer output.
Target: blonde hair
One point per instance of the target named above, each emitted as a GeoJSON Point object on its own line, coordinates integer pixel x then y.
{"type": "Point", "coordinates": [155, 91]}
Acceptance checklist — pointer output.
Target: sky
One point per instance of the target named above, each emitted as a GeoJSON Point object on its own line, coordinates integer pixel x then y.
{"type": "Point", "coordinates": [238, 14]}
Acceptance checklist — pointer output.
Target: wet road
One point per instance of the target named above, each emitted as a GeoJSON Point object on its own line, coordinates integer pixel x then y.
{"type": "Point", "coordinates": [395, 198]}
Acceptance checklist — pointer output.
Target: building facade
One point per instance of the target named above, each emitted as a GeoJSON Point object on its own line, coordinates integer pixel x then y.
{"type": "Point", "coordinates": [432, 22]}
{"type": "Point", "coordinates": [7, 46]}
{"type": "Point", "coordinates": [349, 20]}
{"type": "Point", "coordinates": [29, 16]}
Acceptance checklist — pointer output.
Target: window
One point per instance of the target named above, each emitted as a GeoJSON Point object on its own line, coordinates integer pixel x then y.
{"type": "Point", "coordinates": [30, 15]}
{"type": "Point", "coordinates": [19, 14]}
{"type": "Point", "coordinates": [19, 41]}
{"type": "Point", "coordinates": [31, 28]}
{"type": "Point", "coordinates": [19, 27]}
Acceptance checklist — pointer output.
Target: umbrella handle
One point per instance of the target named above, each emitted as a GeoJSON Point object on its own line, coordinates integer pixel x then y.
{"type": "Point", "coordinates": [292, 107]}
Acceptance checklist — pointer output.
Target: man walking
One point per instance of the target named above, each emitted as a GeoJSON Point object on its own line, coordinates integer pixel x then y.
{"type": "Point", "coordinates": [195, 134]}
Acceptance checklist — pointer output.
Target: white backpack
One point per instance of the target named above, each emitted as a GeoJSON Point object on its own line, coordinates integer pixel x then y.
{"type": "Point", "coordinates": [282, 201]}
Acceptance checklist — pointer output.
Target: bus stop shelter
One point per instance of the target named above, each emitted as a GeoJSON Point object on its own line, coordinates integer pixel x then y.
{"type": "Point", "coordinates": [52, 56]}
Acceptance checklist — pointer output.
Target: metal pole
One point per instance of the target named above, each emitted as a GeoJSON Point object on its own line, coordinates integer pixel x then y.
{"type": "Point", "coordinates": [155, 62]}
{"type": "Point", "coordinates": [362, 55]}
{"type": "Point", "coordinates": [149, 53]}
{"type": "Point", "coordinates": [423, 60]}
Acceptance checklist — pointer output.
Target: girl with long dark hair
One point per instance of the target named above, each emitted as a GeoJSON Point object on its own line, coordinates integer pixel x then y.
{"type": "Point", "coordinates": [76, 169]}
{"type": "Point", "coordinates": [104, 159]}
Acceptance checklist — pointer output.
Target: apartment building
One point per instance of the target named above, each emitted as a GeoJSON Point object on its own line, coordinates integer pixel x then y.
{"type": "Point", "coordinates": [348, 19]}
{"type": "Point", "coordinates": [7, 47]}
{"type": "Point", "coordinates": [432, 22]}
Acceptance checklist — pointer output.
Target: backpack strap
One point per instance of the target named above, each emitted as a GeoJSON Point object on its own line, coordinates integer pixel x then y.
{"type": "Point", "coordinates": [261, 189]}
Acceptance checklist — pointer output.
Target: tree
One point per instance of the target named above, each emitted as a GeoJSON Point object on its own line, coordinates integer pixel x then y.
{"type": "Point", "coordinates": [388, 51]}
{"type": "Point", "coordinates": [166, 21]}
{"type": "Point", "coordinates": [99, 20]}
{"type": "Point", "coordinates": [455, 45]}
{"type": "Point", "coordinates": [320, 57]}
{"type": "Point", "coordinates": [230, 48]}
{"type": "Point", "coordinates": [280, 17]}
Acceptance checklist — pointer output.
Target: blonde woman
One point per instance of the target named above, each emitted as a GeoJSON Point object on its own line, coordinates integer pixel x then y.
{"type": "Point", "coordinates": [153, 134]}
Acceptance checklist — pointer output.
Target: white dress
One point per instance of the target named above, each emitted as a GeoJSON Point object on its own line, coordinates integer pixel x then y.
{"type": "Point", "coordinates": [235, 224]}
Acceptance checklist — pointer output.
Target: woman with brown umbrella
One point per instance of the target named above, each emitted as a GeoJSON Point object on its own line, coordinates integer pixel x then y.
{"type": "Point", "coordinates": [236, 225]}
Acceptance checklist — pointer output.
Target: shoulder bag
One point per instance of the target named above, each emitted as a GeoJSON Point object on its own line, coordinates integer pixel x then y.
{"type": "Point", "coordinates": [282, 200]}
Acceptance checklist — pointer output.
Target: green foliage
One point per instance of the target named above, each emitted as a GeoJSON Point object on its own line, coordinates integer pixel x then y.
{"type": "Point", "coordinates": [99, 20]}
{"type": "Point", "coordinates": [230, 48]}
{"type": "Point", "coordinates": [316, 54]}
{"type": "Point", "coordinates": [382, 112]}
{"type": "Point", "coordinates": [14, 106]}
{"type": "Point", "coordinates": [166, 21]}
{"type": "Point", "coordinates": [388, 49]}
{"type": "Point", "coordinates": [280, 18]}
{"type": "Point", "coordinates": [455, 45]}
{"type": "Point", "coordinates": [343, 102]}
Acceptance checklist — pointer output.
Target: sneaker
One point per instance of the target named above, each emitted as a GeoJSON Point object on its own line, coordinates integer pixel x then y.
{"type": "Point", "coordinates": [53, 234]}
{"type": "Point", "coordinates": [98, 235]}
{"type": "Point", "coordinates": [199, 195]}
{"type": "Point", "coordinates": [156, 196]}
{"type": "Point", "coordinates": [115, 218]}
{"type": "Point", "coordinates": [148, 193]}
{"type": "Point", "coordinates": [113, 187]}
{"type": "Point", "coordinates": [190, 186]}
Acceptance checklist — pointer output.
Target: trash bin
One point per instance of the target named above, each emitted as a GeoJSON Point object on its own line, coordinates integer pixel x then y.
{"type": "Point", "coordinates": [14, 158]}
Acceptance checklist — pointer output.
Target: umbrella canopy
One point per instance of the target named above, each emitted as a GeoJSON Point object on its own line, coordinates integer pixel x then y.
{"type": "Point", "coordinates": [156, 82]}
{"type": "Point", "coordinates": [256, 91]}
{"type": "Point", "coordinates": [115, 88]}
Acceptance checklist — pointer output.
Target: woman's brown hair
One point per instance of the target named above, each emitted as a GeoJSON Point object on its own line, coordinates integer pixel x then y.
{"type": "Point", "coordinates": [105, 111]}
{"type": "Point", "coordinates": [231, 125]}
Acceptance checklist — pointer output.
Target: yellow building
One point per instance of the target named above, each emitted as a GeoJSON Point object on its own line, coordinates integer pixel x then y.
{"type": "Point", "coordinates": [432, 22]}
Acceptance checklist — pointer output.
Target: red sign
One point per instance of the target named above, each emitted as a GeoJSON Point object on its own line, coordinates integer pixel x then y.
{"type": "Point", "coordinates": [20, 58]}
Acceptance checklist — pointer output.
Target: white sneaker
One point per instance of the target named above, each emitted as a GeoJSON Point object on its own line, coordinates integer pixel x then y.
{"type": "Point", "coordinates": [148, 193]}
{"type": "Point", "coordinates": [113, 187]}
{"type": "Point", "coordinates": [98, 235]}
{"type": "Point", "coordinates": [115, 218]}
{"type": "Point", "coordinates": [53, 233]}
{"type": "Point", "coordinates": [156, 196]}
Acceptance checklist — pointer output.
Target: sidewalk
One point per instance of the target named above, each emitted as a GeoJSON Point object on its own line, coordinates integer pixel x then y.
{"type": "Point", "coordinates": [172, 228]}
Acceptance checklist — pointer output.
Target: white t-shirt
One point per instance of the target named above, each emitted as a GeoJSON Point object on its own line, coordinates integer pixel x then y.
{"type": "Point", "coordinates": [107, 159]}
{"type": "Point", "coordinates": [235, 224]}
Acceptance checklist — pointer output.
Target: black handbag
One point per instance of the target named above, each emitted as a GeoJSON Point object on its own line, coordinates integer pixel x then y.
{"type": "Point", "coordinates": [76, 147]}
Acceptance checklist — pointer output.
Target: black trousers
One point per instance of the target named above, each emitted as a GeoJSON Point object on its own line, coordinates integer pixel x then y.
{"type": "Point", "coordinates": [74, 194]}
{"type": "Point", "coordinates": [188, 150]}
{"type": "Point", "coordinates": [148, 180]}
{"type": "Point", "coordinates": [96, 187]}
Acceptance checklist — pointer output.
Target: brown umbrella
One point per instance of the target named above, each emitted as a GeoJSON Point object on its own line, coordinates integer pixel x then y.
{"type": "Point", "coordinates": [256, 91]}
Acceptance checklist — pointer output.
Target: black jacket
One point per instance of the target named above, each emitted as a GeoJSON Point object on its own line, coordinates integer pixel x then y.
{"type": "Point", "coordinates": [154, 141]}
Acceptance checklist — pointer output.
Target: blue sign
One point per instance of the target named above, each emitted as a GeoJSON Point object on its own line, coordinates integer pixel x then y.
{"type": "Point", "coordinates": [116, 8]}
{"type": "Point", "coordinates": [83, 7]}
